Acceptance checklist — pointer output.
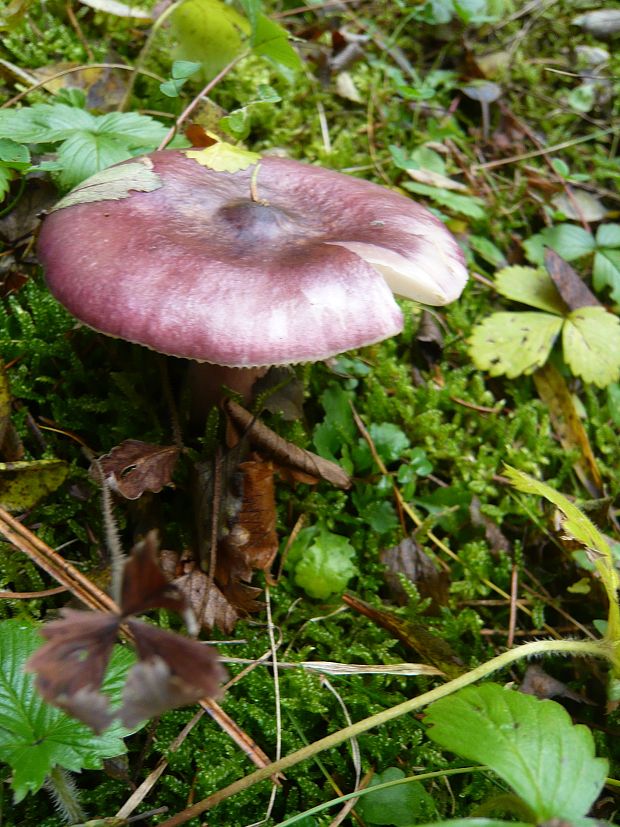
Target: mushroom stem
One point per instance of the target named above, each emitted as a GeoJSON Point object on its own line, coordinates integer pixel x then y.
{"type": "Point", "coordinates": [208, 384]}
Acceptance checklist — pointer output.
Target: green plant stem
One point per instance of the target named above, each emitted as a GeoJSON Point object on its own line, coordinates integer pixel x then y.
{"type": "Point", "coordinates": [377, 788]}
{"type": "Point", "coordinates": [536, 648]}
{"type": "Point", "coordinates": [137, 69]}
{"type": "Point", "coordinates": [63, 790]}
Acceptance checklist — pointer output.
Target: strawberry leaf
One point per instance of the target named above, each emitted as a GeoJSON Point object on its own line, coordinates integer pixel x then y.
{"type": "Point", "coordinates": [531, 744]}
{"type": "Point", "coordinates": [36, 737]}
{"type": "Point", "coordinates": [591, 345]}
{"type": "Point", "coordinates": [529, 286]}
{"type": "Point", "coordinates": [514, 343]}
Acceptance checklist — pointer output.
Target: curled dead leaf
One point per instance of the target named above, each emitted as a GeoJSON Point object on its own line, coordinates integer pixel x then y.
{"type": "Point", "coordinates": [134, 467]}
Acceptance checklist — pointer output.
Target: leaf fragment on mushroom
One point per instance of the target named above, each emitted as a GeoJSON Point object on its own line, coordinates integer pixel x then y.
{"type": "Point", "coordinates": [223, 157]}
{"type": "Point", "coordinates": [112, 184]}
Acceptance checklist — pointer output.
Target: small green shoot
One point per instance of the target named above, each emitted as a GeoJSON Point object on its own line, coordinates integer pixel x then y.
{"type": "Point", "coordinates": [402, 806]}
{"type": "Point", "coordinates": [14, 158]}
{"type": "Point", "coordinates": [181, 72]}
{"type": "Point", "coordinates": [322, 562]}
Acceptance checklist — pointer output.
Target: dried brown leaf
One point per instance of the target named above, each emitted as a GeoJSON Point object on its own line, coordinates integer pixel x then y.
{"type": "Point", "coordinates": [569, 283]}
{"type": "Point", "coordinates": [134, 467]}
{"type": "Point", "coordinates": [537, 682]}
{"type": "Point", "coordinates": [285, 453]}
{"type": "Point", "coordinates": [409, 559]}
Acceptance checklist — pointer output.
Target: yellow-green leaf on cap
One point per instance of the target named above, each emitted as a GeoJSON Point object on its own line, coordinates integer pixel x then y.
{"type": "Point", "coordinates": [530, 286]}
{"type": "Point", "coordinates": [23, 484]}
{"type": "Point", "coordinates": [514, 343]}
{"type": "Point", "coordinates": [223, 157]}
{"type": "Point", "coordinates": [591, 343]}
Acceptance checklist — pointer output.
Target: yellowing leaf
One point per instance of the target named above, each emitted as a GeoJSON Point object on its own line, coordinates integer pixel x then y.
{"type": "Point", "coordinates": [112, 184]}
{"type": "Point", "coordinates": [529, 286]}
{"type": "Point", "coordinates": [514, 343]}
{"type": "Point", "coordinates": [23, 484]}
{"type": "Point", "coordinates": [223, 157]}
{"type": "Point", "coordinates": [591, 342]}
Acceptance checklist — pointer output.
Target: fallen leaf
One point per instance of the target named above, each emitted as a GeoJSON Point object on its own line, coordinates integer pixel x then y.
{"type": "Point", "coordinates": [570, 285]}
{"type": "Point", "coordinates": [542, 685]}
{"type": "Point", "coordinates": [23, 483]}
{"type": "Point", "coordinates": [408, 559]}
{"type": "Point", "coordinates": [492, 532]}
{"type": "Point", "coordinates": [134, 467]}
{"type": "Point", "coordinates": [171, 671]}
{"type": "Point", "coordinates": [569, 428]}
{"type": "Point", "coordinates": [514, 343]}
{"type": "Point", "coordinates": [285, 453]}
{"type": "Point", "coordinates": [118, 9]}
{"type": "Point", "coordinates": [602, 23]}
{"type": "Point", "coordinates": [436, 179]}
{"type": "Point", "coordinates": [429, 646]}
{"type": "Point", "coordinates": [581, 206]}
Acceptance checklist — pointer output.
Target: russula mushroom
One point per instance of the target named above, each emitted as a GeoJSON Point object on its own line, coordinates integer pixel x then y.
{"type": "Point", "coordinates": [221, 256]}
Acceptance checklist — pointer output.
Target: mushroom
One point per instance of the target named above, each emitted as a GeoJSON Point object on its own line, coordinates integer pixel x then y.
{"type": "Point", "coordinates": [222, 256]}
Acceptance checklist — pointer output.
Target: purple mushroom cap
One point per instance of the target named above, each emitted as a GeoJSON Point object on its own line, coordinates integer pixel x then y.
{"type": "Point", "coordinates": [276, 263]}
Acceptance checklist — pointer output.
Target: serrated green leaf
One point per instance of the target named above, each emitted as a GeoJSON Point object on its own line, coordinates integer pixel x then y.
{"type": "Point", "coordinates": [131, 129]}
{"type": "Point", "coordinates": [208, 32]}
{"type": "Point", "coordinates": [44, 122]}
{"type": "Point", "coordinates": [272, 41]}
{"type": "Point", "coordinates": [6, 176]}
{"type": "Point", "coordinates": [112, 184]}
{"type": "Point", "coordinates": [14, 155]}
{"type": "Point", "coordinates": [514, 343]}
{"type": "Point", "coordinates": [400, 805]}
{"type": "Point", "coordinates": [531, 744]}
{"type": "Point", "coordinates": [608, 235]}
{"type": "Point", "coordinates": [24, 483]}
{"type": "Point", "coordinates": [591, 345]}
{"type": "Point", "coordinates": [530, 286]}
{"type": "Point", "coordinates": [86, 153]}
{"type": "Point", "coordinates": [468, 205]}
{"type": "Point", "coordinates": [569, 241]}
{"type": "Point", "coordinates": [35, 737]}
{"type": "Point", "coordinates": [606, 271]}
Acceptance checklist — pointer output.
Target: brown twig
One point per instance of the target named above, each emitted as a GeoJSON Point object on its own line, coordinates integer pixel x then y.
{"type": "Point", "coordinates": [203, 92]}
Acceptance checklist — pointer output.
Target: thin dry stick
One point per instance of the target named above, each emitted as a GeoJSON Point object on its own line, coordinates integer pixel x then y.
{"type": "Point", "coordinates": [73, 69]}
{"type": "Point", "coordinates": [78, 30]}
{"type": "Point", "coordinates": [355, 754]}
{"type": "Point", "coordinates": [536, 648]}
{"type": "Point", "coordinates": [51, 562]}
{"type": "Point", "coordinates": [205, 91]}
{"type": "Point", "coordinates": [32, 595]}
{"type": "Point", "coordinates": [547, 151]}
{"type": "Point", "coordinates": [140, 793]}
{"type": "Point", "coordinates": [512, 618]}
